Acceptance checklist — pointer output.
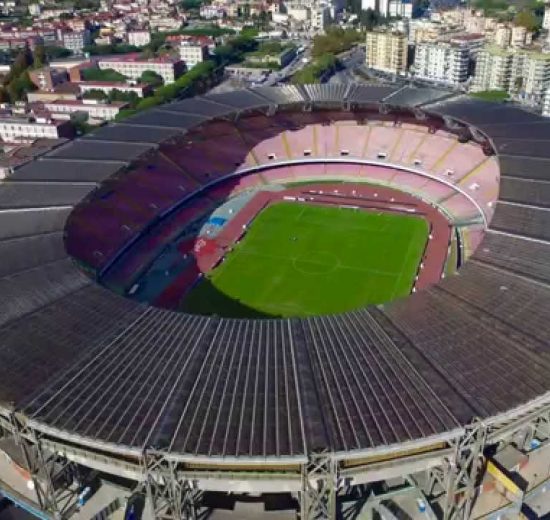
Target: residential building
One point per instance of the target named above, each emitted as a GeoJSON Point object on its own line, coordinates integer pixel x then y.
{"type": "Point", "coordinates": [62, 109]}
{"type": "Point", "coordinates": [298, 12]}
{"type": "Point", "coordinates": [521, 37]}
{"type": "Point", "coordinates": [139, 38]}
{"type": "Point", "coordinates": [546, 19]}
{"type": "Point", "coordinates": [442, 62]}
{"type": "Point", "coordinates": [192, 52]}
{"type": "Point", "coordinates": [493, 69]}
{"type": "Point", "coordinates": [400, 8]}
{"type": "Point", "coordinates": [319, 17]}
{"type": "Point", "coordinates": [133, 66]}
{"type": "Point", "coordinates": [28, 129]}
{"type": "Point", "coordinates": [387, 51]}
{"type": "Point", "coordinates": [140, 89]}
{"type": "Point", "coordinates": [525, 73]}
{"type": "Point", "coordinates": [210, 12]}
{"type": "Point", "coordinates": [75, 41]}
{"type": "Point", "coordinates": [380, 6]}
{"type": "Point", "coordinates": [503, 35]}
{"type": "Point", "coordinates": [473, 42]}
{"type": "Point", "coordinates": [546, 103]}
{"type": "Point", "coordinates": [530, 76]}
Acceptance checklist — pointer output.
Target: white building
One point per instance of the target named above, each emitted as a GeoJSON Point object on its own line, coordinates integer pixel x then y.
{"type": "Point", "coordinates": [525, 74]}
{"type": "Point", "coordinates": [139, 38]}
{"type": "Point", "coordinates": [546, 103]}
{"type": "Point", "coordinates": [442, 62]}
{"type": "Point", "coordinates": [192, 53]}
{"type": "Point", "coordinates": [133, 67]}
{"type": "Point", "coordinates": [380, 6]}
{"type": "Point", "coordinates": [106, 86]}
{"type": "Point", "coordinates": [298, 12]}
{"type": "Point", "coordinates": [493, 69]}
{"type": "Point", "coordinates": [95, 109]}
{"type": "Point", "coordinates": [25, 130]}
{"type": "Point", "coordinates": [546, 19]}
{"type": "Point", "coordinates": [320, 17]}
{"type": "Point", "coordinates": [400, 8]}
{"type": "Point", "coordinates": [75, 40]}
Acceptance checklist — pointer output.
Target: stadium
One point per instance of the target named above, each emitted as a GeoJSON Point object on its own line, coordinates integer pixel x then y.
{"type": "Point", "coordinates": [336, 294]}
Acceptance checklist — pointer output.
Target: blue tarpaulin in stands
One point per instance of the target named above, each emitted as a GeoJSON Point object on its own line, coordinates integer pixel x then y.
{"type": "Point", "coordinates": [217, 221]}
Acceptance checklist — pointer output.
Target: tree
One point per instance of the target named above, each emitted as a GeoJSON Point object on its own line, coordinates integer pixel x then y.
{"type": "Point", "coordinates": [151, 78]}
{"type": "Point", "coordinates": [22, 62]}
{"type": "Point", "coordinates": [54, 53]}
{"type": "Point", "coordinates": [18, 88]}
{"type": "Point", "coordinates": [39, 56]}
{"type": "Point", "coordinates": [93, 74]}
{"type": "Point", "coordinates": [527, 19]}
{"type": "Point", "coordinates": [95, 94]}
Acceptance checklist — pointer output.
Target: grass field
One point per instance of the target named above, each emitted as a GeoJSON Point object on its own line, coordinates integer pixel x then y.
{"type": "Point", "coordinates": [302, 260]}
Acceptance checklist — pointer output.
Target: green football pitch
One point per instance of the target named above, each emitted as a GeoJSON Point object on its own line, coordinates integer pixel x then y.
{"type": "Point", "coordinates": [303, 260]}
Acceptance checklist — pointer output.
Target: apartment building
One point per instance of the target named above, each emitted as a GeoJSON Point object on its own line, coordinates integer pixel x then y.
{"type": "Point", "coordinates": [493, 69]}
{"type": "Point", "coordinates": [546, 19]}
{"type": "Point", "coordinates": [140, 89]}
{"type": "Point", "coordinates": [193, 52]}
{"type": "Point", "coordinates": [27, 130]}
{"type": "Point", "coordinates": [530, 76]}
{"type": "Point", "coordinates": [442, 62]}
{"type": "Point", "coordinates": [546, 103]}
{"type": "Point", "coordinates": [133, 66]}
{"type": "Point", "coordinates": [525, 74]}
{"type": "Point", "coordinates": [387, 51]}
{"type": "Point", "coordinates": [139, 38]}
{"type": "Point", "coordinates": [62, 109]}
{"type": "Point", "coordinates": [75, 40]}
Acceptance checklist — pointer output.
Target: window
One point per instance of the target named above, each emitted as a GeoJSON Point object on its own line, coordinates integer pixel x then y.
{"type": "Point", "coordinates": [344, 152]}
{"type": "Point", "coordinates": [271, 156]}
{"type": "Point", "coordinates": [307, 153]}
{"type": "Point", "coordinates": [382, 155]}
{"type": "Point", "coordinates": [417, 162]}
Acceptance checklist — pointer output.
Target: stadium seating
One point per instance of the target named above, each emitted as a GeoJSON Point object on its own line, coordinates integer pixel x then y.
{"type": "Point", "coordinates": [217, 149]}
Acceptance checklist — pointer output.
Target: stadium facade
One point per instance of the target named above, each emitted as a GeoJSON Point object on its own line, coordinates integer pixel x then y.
{"type": "Point", "coordinates": [319, 408]}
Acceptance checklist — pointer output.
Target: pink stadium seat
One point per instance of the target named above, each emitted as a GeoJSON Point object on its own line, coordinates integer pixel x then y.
{"type": "Point", "coordinates": [352, 138]}
{"type": "Point", "coordinates": [432, 149]}
{"type": "Point", "coordinates": [380, 140]}
{"type": "Point", "coordinates": [407, 142]}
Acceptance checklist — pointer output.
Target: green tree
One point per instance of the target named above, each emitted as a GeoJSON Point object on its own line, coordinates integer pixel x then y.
{"type": "Point", "coordinates": [93, 74]}
{"type": "Point", "coordinates": [18, 88]}
{"type": "Point", "coordinates": [151, 78]}
{"type": "Point", "coordinates": [95, 94]}
{"type": "Point", "coordinates": [54, 53]}
{"type": "Point", "coordinates": [527, 19]}
{"type": "Point", "coordinates": [39, 56]}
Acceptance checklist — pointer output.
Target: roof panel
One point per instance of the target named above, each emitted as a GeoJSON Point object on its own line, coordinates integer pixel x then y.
{"type": "Point", "coordinates": [131, 134]}
{"type": "Point", "coordinates": [100, 151]}
{"type": "Point", "coordinates": [165, 119]}
{"type": "Point", "coordinates": [64, 170]}
{"type": "Point", "coordinates": [41, 194]}
{"type": "Point", "coordinates": [19, 254]}
{"type": "Point", "coordinates": [26, 291]}
{"type": "Point", "coordinates": [25, 222]}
